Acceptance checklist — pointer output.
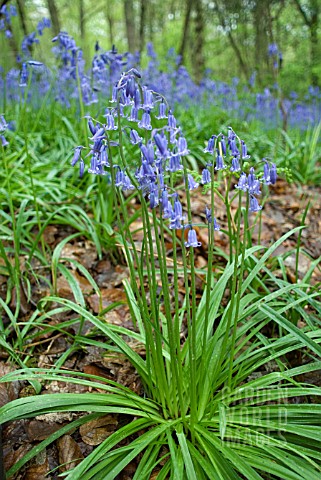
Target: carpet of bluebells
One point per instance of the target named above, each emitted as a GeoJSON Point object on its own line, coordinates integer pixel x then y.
{"type": "Point", "coordinates": [68, 77]}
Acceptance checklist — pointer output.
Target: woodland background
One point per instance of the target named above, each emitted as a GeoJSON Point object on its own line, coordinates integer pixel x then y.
{"type": "Point", "coordinates": [229, 38]}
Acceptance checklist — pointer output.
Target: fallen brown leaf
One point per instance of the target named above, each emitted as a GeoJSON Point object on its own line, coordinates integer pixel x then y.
{"type": "Point", "coordinates": [96, 431]}
{"type": "Point", "coordinates": [69, 453]}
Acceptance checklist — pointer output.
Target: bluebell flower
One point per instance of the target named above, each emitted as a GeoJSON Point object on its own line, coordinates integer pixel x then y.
{"type": "Point", "coordinates": [168, 211]}
{"type": "Point", "coordinates": [81, 168]}
{"type": "Point", "coordinates": [24, 76]}
{"type": "Point", "coordinates": [127, 184]}
{"type": "Point", "coordinates": [161, 111]}
{"type": "Point", "coordinates": [164, 199]}
{"type": "Point", "coordinates": [192, 239]}
{"type": "Point", "coordinates": [230, 133]}
{"type": "Point", "coordinates": [110, 122]}
{"type": "Point", "coordinates": [234, 150]}
{"type": "Point", "coordinates": [269, 174]}
{"type": "Point", "coordinates": [210, 145]}
{"type": "Point", "coordinates": [242, 183]}
{"type": "Point", "coordinates": [273, 49]}
{"type": "Point", "coordinates": [245, 156]}
{"type": "Point", "coordinates": [206, 176]}
{"type": "Point", "coordinates": [137, 99]}
{"type": "Point", "coordinates": [223, 145]}
{"type": "Point", "coordinates": [161, 144]}
{"type": "Point", "coordinates": [134, 137]}
{"type": "Point", "coordinates": [192, 185]}
{"type": "Point", "coordinates": [3, 124]}
{"type": "Point", "coordinates": [76, 156]}
{"type": "Point", "coordinates": [153, 199]}
{"type": "Point", "coordinates": [44, 23]}
{"type": "Point", "coordinates": [182, 147]}
{"type": "Point", "coordinates": [273, 174]}
{"type": "Point", "coordinates": [119, 177]}
{"type": "Point", "coordinates": [253, 184]}
{"type": "Point", "coordinates": [145, 122]}
{"type": "Point", "coordinates": [178, 209]}
{"type": "Point", "coordinates": [235, 167]}
{"type": "Point", "coordinates": [172, 135]}
{"type": "Point", "coordinates": [254, 205]}
{"type": "Point", "coordinates": [91, 126]}
{"type": "Point", "coordinates": [171, 120]}
{"type": "Point", "coordinates": [133, 117]}
{"type": "Point", "coordinates": [175, 223]}
{"type": "Point", "coordinates": [130, 87]}
{"type": "Point", "coordinates": [161, 180]}
{"type": "Point", "coordinates": [174, 164]}
{"type": "Point", "coordinates": [147, 170]}
{"type": "Point", "coordinates": [208, 214]}
{"type": "Point", "coordinates": [219, 163]}
{"type": "Point", "coordinates": [94, 167]}
{"type": "Point", "coordinates": [103, 156]}
{"type": "Point", "coordinates": [148, 101]}
{"type": "Point", "coordinates": [148, 152]}
{"type": "Point", "coordinates": [114, 95]}
{"type": "Point", "coordinates": [4, 141]}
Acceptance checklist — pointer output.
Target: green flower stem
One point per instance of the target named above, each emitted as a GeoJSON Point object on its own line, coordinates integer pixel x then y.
{"type": "Point", "coordinates": [174, 335]}
{"type": "Point", "coordinates": [160, 371]}
{"type": "Point", "coordinates": [231, 233]}
{"type": "Point", "coordinates": [233, 287]}
{"type": "Point", "coordinates": [239, 287]}
{"type": "Point", "coordinates": [141, 298]}
{"type": "Point", "coordinates": [153, 342]}
{"type": "Point", "coordinates": [192, 327]}
{"type": "Point", "coordinates": [15, 272]}
{"type": "Point", "coordinates": [81, 106]}
{"type": "Point", "coordinates": [211, 242]}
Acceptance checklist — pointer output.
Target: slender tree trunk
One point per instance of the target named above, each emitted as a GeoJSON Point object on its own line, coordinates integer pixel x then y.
{"type": "Point", "coordinates": [130, 24]}
{"type": "Point", "coordinates": [110, 21]}
{"type": "Point", "coordinates": [314, 43]}
{"type": "Point", "coordinates": [142, 25]}
{"type": "Point", "coordinates": [54, 16]}
{"type": "Point", "coordinates": [260, 21]}
{"type": "Point", "coordinates": [234, 44]}
{"type": "Point", "coordinates": [312, 21]}
{"type": "Point", "coordinates": [22, 16]}
{"type": "Point", "coordinates": [199, 62]}
{"type": "Point", "coordinates": [82, 20]}
{"type": "Point", "coordinates": [182, 48]}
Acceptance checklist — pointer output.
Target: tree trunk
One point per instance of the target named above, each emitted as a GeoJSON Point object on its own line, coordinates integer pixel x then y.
{"type": "Point", "coordinates": [22, 16]}
{"type": "Point", "coordinates": [199, 62]}
{"type": "Point", "coordinates": [130, 24]}
{"type": "Point", "coordinates": [234, 44]}
{"type": "Point", "coordinates": [314, 43]}
{"type": "Point", "coordinates": [11, 40]}
{"type": "Point", "coordinates": [142, 25]}
{"type": "Point", "coordinates": [182, 48]}
{"type": "Point", "coordinates": [260, 21]}
{"type": "Point", "coordinates": [110, 21]}
{"type": "Point", "coordinates": [54, 16]}
{"type": "Point", "coordinates": [82, 20]}
{"type": "Point", "coordinates": [312, 21]}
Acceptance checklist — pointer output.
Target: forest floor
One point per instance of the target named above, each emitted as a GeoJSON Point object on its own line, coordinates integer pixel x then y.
{"type": "Point", "coordinates": [283, 211]}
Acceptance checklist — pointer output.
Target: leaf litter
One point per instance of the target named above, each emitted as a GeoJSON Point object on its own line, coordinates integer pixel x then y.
{"type": "Point", "coordinates": [283, 212]}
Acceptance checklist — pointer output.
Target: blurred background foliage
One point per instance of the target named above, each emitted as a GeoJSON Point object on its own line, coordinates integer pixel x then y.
{"type": "Point", "coordinates": [229, 38]}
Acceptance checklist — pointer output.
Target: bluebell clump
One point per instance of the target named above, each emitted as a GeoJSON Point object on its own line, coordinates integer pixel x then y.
{"type": "Point", "coordinates": [161, 166]}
